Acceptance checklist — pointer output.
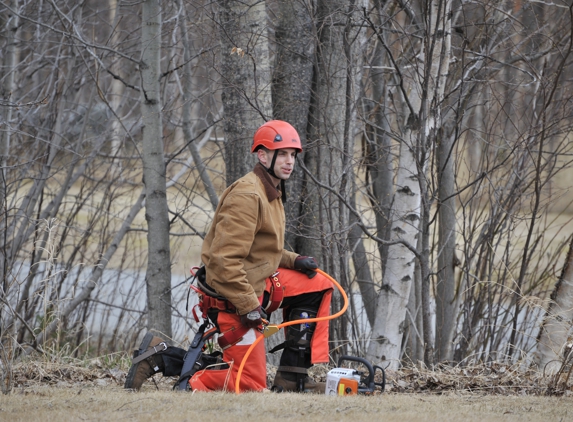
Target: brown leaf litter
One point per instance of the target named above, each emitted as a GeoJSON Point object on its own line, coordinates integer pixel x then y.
{"type": "Point", "coordinates": [492, 378]}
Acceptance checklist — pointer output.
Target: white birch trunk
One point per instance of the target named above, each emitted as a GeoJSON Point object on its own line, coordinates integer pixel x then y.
{"type": "Point", "coordinates": [555, 330]}
{"type": "Point", "coordinates": [116, 87]}
{"type": "Point", "coordinates": [387, 332]}
{"type": "Point", "coordinates": [426, 87]}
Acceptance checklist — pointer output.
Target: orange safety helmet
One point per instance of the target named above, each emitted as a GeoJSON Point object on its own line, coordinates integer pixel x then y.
{"type": "Point", "coordinates": [276, 134]}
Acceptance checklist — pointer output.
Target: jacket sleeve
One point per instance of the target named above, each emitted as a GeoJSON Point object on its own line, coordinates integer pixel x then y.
{"type": "Point", "coordinates": [234, 234]}
{"type": "Point", "coordinates": [287, 259]}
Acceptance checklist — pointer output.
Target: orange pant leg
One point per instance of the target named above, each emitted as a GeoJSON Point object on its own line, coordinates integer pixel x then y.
{"type": "Point", "coordinates": [296, 283]}
{"type": "Point", "coordinates": [254, 375]}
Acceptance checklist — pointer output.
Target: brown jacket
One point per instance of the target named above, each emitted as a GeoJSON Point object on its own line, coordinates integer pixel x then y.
{"type": "Point", "coordinates": [245, 243]}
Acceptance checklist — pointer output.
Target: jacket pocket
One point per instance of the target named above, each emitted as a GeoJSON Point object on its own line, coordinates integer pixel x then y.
{"type": "Point", "coordinates": [258, 272]}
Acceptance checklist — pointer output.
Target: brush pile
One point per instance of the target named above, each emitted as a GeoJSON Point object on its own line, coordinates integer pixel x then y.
{"type": "Point", "coordinates": [494, 378]}
{"type": "Point", "coordinates": [484, 379]}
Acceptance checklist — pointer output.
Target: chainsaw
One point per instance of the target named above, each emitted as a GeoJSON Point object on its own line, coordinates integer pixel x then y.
{"type": "Point", "coordinates": [346, 381]}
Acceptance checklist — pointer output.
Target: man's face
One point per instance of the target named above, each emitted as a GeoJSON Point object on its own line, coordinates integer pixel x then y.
{"type": "Point", "coordinates": [284, 163]}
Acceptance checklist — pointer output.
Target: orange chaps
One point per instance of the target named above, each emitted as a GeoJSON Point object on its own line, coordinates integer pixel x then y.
{"type": "Point", "coordinates": [254, 376]}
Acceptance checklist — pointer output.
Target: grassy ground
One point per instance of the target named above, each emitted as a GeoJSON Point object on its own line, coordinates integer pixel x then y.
{"type": "Point", "coordinates": [55, 388]}
{"type": "Point", "coordinates": [113, 403]}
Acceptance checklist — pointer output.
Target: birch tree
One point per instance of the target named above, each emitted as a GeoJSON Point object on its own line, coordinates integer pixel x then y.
{"type": "Point", "coordinates": [556, 327]}
{"type": "Point", "coordinates": [116, 86]}
{"type": "Point", "coordinates": [425, 94]}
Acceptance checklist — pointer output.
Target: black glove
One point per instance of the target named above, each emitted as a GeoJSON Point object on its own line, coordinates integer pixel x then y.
{"type": "Point", "coordinates": [306, 264]}
{"type": "Point", "coordinates": [253, 319]}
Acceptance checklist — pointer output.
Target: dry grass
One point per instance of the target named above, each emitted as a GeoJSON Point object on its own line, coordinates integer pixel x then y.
{"type": "Point", "coordinates": [55, 390]}
{"type": "Point", "coordinates": [113, 403]}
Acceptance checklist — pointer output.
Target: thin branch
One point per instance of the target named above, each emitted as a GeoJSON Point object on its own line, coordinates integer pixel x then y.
{"type": "Point", "coordinates": [394, 64]}
{"type": "Point", "coordinates": [359, 216]}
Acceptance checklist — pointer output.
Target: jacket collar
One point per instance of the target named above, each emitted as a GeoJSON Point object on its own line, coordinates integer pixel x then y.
{"type": "Point", "coordinates": [271, 190]}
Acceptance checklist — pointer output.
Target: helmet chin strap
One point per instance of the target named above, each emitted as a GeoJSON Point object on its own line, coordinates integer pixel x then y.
{"type": "Point", "coordinates": [271, 171]}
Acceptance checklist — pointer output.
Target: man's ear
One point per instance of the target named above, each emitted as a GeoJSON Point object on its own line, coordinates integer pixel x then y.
{"type": "Point", "coordinates": [262, 156]}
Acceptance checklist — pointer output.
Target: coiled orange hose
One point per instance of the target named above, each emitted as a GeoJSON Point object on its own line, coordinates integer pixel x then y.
{"type": "Point", "coordinates": [294, 322]}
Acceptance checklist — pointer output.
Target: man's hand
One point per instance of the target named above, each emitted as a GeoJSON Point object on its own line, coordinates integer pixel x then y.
{"type": "Point", "coordinates": [253, 319]}
{"type": "Point", "coordinates": [306, 264]}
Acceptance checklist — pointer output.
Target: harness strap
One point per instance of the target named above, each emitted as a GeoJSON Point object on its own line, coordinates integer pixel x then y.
{"type": "Point", "coordinates": [232, 337]}
{"type": "Point", "coordinates": [276, 291]}
{"type": "Point", "coordinates": [161, 347]}
{"type": "Point", "coordinates": [295, 369]}
{"type": "Point", "coordinates": [278, 347]}
{"type": "Point", "coordinates": [290, 342]}
{"type": "Point", "coordinates": [209, 302]}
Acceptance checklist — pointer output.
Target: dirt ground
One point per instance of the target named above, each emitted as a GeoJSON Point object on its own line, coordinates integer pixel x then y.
{"type": "Point", "coordinates": [53, 403]}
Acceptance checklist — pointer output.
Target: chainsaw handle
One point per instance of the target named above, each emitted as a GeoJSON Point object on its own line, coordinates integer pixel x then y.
{"type": "Point", "coordinates": [370, 383]}
{"type": "Point", "coordinates": [383, 383]}
{"type": "Point", "coordinates": [355, 359]}
{"type": "Point", "coordinates": [370, 380]}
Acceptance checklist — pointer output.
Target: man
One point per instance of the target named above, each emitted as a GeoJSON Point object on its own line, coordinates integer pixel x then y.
{"type": "Point", "coordinates": [246, 264]}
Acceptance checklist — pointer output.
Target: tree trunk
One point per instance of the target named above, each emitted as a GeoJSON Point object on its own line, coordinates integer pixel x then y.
{"type": "Point", "coordinates": [381, 158]}
{"type": "Point", "coordinates": [399, 272]}
{"type": "Point", "coordinates": [425, 279]}
{"type": "Point", "coordinates": [158, 278]}
{"type": "Point", "coordinates": [245, 73]}
{"type": "Point", "coordinates": [291, 88]}
{"type": "Point", "coordinates": [6, 100]}
{"type": "Point", "coordinates": [446, 284]}
{"type": "Point", "coordinates": [416, 319]}
{"type": "Point", "coordinates": [554, 332]}
{"type": "Point", "coordinates": [338, 67]}
{"type": "Point", "coordinates": [325, 218]}
{"type": "Point", "coordinates": [354, 42]}
{"type": "Point", "coordinates": [116, 87]}
{"type": "Point", "coordinates": [362, 271]}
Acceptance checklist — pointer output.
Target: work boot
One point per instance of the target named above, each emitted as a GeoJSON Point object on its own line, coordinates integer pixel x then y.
{"type": "Point", "coordinates": [143, 369]}
{"type": "Point", "coordinates": [286, 381]}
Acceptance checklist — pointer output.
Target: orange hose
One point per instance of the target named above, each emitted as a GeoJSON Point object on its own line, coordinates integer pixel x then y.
{"type": "Point", "coordinates": [294, 322]}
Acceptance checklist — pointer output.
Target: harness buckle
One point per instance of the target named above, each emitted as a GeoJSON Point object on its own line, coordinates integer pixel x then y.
{"type": "Point", "coordinates": [163, 344]}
